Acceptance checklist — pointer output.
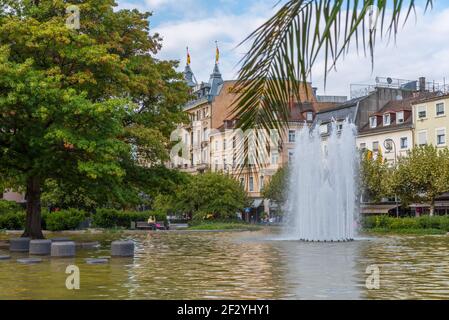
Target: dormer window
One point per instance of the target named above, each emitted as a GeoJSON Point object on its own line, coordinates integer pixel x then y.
{"type": "Point", "coordinates": [373, 122]}
{"type": "Point", "coordinates": [387, 119]}
{"type": "Point", "coordinates": [309, 116]}
{"type": "Point", "coordinates": [400, 117]}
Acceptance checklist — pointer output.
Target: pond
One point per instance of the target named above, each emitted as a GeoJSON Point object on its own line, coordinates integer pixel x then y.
{"type": "Point", "coordinates": [238, 265]}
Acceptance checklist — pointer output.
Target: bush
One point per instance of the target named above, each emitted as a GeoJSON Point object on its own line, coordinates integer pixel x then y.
{"type": "Point", "coordinates": [64, 220]}
{"type": "Point", "coordinates": [9, 207]}
{"type": "Point", "coordinates": [391, 223]}
{"type": "Point", "coordinates": [112, 218]}
{"type": "Point", "coordinates": [12, 220]}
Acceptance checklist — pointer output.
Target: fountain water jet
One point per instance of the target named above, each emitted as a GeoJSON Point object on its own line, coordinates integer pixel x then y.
{"type": "Point", "coordinates": [321, 204]}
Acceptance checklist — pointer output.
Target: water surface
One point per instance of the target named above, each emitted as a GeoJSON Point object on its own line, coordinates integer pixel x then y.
{"type": "Point", "coordinates": [238, 265]}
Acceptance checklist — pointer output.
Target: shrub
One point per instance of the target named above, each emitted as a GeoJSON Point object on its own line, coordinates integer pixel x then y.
{"type": "Point", "coordinates": [392, 223]}
{"type": "Point", "coordinates": [12, 220]}
{"type": "Point", "coordinates": [64, 220]}
{"type": "Point", "coordinates": [112, 218]}
{"type": "Point", "coordinates": [9, 207]}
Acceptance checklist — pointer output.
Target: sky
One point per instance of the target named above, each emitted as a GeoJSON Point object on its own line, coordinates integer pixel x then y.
{"type": "Point", "coordinates": [421, 49]}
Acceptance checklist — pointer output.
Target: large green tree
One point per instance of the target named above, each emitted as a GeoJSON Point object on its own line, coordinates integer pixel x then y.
{"type": "Point", "coordinates": [75, 102]}
{"type": "Point", "coordinates": [277, 188]}
{"type": "Point", "coordinates": [375, 177]}
{"type": "Point", "coordinates": [422, 176]}
{"type": "Point", "coordinates": [210, 195]}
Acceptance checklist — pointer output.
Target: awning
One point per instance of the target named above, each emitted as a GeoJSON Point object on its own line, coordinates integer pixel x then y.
{"type": "Point", "coordinates": [377, 208]}
{"type": "Point", "coordinates": [256, 203]}
{"type": "Point", "coordinates": [438, 204]}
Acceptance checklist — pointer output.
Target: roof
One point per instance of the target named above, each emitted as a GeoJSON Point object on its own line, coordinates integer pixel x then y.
{"type": "Point", "coordinates": [377, 208]}
{"type": "Point", "coordinates": [393, 107]}
{"type": "Point", "coordinates": [436, 96]}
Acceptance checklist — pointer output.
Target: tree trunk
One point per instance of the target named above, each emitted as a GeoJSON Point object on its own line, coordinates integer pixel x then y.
{"type": "Point", "coordinates": [432, 208]}
{"type": "Point", "coordinates": [33, 228]}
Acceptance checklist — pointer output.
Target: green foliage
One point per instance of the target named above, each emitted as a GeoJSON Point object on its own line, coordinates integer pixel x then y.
{"type": "Point", "coordinates": [12, 216]}
{"type": "Point", "coordinates": [73, 102]}
{"type": "Point", "coordinates": [112, 218]}
{"type": "Point", "coordinates": [8, 206]}
{"type": "Point", "coordinates": [13, 220]}
{"type": "Point", "coordinates": [64, 220]}
{"type": "Point", "coordinates": [210, 196]}
{"type": "Point", "coordinates": [422, 175]}
{"type": "Point", "coordinates": [277, 188]}
{"type": "Point", "coordinates": [394, 224]}
{"type": "Point", "coordinates": [375, 176]}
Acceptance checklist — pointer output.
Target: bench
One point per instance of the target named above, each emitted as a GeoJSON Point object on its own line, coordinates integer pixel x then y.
{"type": "Point", "coordinates": [143, 225]}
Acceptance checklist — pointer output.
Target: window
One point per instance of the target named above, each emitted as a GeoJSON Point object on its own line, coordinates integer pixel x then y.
{"type": "Point", "coordinates": [375, 146]}
{"type": "Point", "coordinates": [261, 183]}
{"type": "Point", "coordinates": [324, 129]}
{"type": "Point", "coordinates": [440, 109]}
{"type": "Point", "coordinates": [216, 145]}
{"type": "Point", "coordinates": [339, 127]}
{"type": "Point", "coordinates": [441, 137]}
{"type": "Point", "coordinates": [363, 146]}
{"type": "Point", "coordinates": [274, 157]}
{"type": "Point", "coordinates": [251, 184]}
{"type": "Point", "coordinates": [224, 144]}
{"type": "Point", "coordinates": [404, 143]}
{"type": "Point", "coordinates": [198, 137]}
{"type": "Point", "coordinates": [387, 119]}
{"type": "Point", "coordinates": [400, 117]}
{"type": "Point", "coordinates": [422, 112]}
{"type": "Point", "coordinates": [234, 142]}
{"type": "Point", "coordinates": [205, 134]}
{"type": "Point", "coordinates": [309, 116]}
{"type": "Point", "coordinates": [216, 164]}
{"type": "Point", "coordinates": [242, 182]}
{"type": "Point", "coordinates": [290, 156]}
{"type": "Point", "coordinates": [373, 122]}
{"type": "Point", "coordinates": [422, 138]}
{"type": "Point", "coordinates": [291, 135]}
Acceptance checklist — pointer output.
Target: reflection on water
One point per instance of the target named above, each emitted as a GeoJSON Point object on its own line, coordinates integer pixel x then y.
{"type": "Point", "coordinates": [239, 265]}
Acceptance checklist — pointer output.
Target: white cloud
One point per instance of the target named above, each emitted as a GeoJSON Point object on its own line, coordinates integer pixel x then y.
{"type": "Point", "coordinates": [421, 49]}
{"type": "Point", "coordinates": [200, 35]}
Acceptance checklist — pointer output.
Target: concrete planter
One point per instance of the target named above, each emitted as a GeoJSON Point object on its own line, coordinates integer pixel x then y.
{"type": "Point", "coordinates": [40, 247]}
{"type": "Point", "coordinates": [122, 248]}
{"type": "Point", "coordinates": [63, 249]}
{"type": "Point", "coordinates": [19, 244]}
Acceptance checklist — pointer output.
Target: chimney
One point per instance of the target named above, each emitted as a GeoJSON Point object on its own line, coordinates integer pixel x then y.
{"type": "Point", "coordinates": [422, 84]}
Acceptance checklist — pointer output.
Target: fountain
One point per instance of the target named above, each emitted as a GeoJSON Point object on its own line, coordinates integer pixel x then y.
{"type": "Point", "coordinates": [322, 192]}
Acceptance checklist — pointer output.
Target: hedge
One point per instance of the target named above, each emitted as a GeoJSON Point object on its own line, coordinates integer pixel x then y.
{"type": "Point", "coordinates": [392, 223]}
{"type": "Point", "coordinates": [68, 219]}
{"type": "Point", "coordinates": [111, 218]}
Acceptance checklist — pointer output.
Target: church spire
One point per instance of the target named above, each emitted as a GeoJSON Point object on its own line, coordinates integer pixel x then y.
{"type": "Point", "coordinates": [188, 73]}
{"type": "Point", "coordinates": [216, 79]}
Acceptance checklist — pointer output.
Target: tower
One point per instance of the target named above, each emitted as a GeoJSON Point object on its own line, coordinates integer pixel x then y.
{"type": "Point", "coordinates": [188, 73]}
{"type": "Point", "coordinates": [216, 80]}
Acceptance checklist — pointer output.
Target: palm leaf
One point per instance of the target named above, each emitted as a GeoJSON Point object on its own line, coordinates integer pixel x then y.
{"type": "Point", "coordinates": [284, 49]}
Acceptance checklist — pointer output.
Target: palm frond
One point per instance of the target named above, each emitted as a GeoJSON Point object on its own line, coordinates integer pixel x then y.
{"type": "Point", "coordinates": [285, 48]}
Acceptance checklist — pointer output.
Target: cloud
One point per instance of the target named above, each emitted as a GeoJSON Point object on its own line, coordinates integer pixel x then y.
{"type": "Point", "coordinates": [421, 49]}
{"type": "Point", "coordinates": [200, 36]}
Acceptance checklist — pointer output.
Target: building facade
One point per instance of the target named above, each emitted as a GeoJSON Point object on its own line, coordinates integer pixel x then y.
{"type": "Point", "coordinates": [390, 131]}
{"type": "Point", "coordinates": [431, 122]}
{"type": "Point", "coordinates": [212, 142]}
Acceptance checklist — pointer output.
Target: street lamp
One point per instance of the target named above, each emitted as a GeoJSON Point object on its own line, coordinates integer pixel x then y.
{"type": "Point", "coordinates": [390, 146]}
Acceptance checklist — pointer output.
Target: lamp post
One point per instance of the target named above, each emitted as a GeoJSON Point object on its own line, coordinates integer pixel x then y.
{"type": "Point", "coordinates": [390, 146]}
